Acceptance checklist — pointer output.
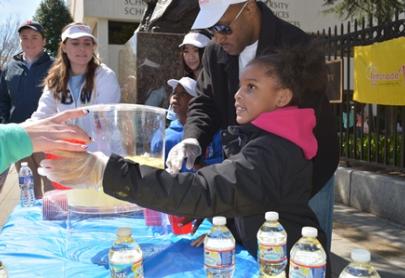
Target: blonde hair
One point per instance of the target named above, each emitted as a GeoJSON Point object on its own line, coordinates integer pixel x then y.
{"type": "Point", "coordinates": [58, 75]}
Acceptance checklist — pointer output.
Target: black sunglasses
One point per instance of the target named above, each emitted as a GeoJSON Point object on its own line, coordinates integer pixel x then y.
{"type": "Point", "coordinates": [225, 29]}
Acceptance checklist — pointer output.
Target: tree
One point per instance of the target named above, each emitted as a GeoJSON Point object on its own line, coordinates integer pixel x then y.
{"type": "Point", "coordinates": [53, 15]}
{"type": "Point", "coordinates": [9, 40]}
{"type": "Point", "coordinates": [381, 9]}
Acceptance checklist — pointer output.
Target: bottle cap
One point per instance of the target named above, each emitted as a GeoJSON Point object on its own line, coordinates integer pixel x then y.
{"type": "Point", "coordinates": [360, 255]}
{"type": "Point", "coordinates": [24, 164]}
{"type": "Point", "coordinates": [219, 220]}
{"type": "Point", "coordinates": [309, 232]}
{"type": "Point", "coordinates": [124, 232]}
{"type": "Point", "coordinates": [271, 216]}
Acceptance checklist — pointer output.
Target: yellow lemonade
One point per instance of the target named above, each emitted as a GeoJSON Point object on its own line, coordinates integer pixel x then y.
{"type": "Point", "coordinates": [146, 159]}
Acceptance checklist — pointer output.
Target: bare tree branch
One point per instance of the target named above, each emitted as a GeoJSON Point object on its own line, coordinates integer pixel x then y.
{"type": "Point", "coordinates": [9, 40]}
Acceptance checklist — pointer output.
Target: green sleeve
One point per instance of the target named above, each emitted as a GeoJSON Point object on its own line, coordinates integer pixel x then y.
{"type": "Point", "coordinates": [15, 144]}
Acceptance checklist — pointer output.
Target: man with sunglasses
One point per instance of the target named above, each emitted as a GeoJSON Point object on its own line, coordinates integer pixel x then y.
{"type": "Point", "coordinates": [242, 30]}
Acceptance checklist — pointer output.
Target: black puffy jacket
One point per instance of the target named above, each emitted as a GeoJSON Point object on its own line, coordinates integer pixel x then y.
{"type": "Point", "coordinates": [268, 173]}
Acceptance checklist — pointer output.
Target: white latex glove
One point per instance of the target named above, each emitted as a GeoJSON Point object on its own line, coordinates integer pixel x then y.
{"type": "Point", "coordinates": [76, 170]}
{"type": "Point", "coordinates": [188, 148]}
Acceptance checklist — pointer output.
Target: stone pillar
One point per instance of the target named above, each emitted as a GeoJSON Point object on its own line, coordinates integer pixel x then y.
{"type": "Point", "coordinates": [102, 37]}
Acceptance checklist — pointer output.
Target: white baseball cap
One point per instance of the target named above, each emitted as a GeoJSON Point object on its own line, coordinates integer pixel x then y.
{"type": "Point", "coordinates": [211, 12]}
{"type": "Point", "coordinates": [196, 39]}
{"type": "Point", "coordinates": [189, 84]}
{"type": "Point", "coordinates": [77, 31]}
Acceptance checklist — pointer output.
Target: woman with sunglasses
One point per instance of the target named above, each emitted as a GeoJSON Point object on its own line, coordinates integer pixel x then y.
{"type": "Point", "coordinates": [192, 49]}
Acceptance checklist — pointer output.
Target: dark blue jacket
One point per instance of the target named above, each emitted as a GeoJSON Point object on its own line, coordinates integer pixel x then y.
{"type": "Point", "coordinates": [20, 88]}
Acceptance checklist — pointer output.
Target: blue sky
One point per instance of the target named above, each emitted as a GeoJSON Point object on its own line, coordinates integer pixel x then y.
{"type": "Point", "coordinates": [22, 9]}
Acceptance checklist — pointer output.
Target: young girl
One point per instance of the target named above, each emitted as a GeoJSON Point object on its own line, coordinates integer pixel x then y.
{"type": "Point", "coordinates": [77, 78]}
{"type": "Point", "coordinates": [269, 165]}
{"type": "Point", "coordinates": [192, 49]}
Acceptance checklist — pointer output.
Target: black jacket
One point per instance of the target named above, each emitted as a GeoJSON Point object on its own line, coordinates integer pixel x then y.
{"type": "Point", "coordinates": [214, 108]}
{"type": "Point", "coordinates": [267, 173]}
{"type": "Point", "coordinates": [21, 88]}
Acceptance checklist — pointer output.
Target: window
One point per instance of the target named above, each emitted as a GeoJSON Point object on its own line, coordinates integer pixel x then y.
{"type": "Point", "coordinates": [120, 32]}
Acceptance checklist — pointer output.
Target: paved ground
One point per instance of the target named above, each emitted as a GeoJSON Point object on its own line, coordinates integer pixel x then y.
{"type": "Point", "coordinates": [352, 229]}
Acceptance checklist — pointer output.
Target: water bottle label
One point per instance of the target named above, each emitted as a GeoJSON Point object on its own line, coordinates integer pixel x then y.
{"type": "Point", "coordinates": [300, 271]}
{"type": "Point", "coordinates": [219, 258]}
{"type": "Point", "coordinates": [26, 180]}
{"type": "Point", "coordinates": [272, 253]}
{"type": "Point", "coordinates": [127, 270]}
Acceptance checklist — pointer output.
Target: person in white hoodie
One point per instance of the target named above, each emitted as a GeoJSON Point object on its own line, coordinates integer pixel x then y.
{"type": "Point", "coordinates": [77, 78]}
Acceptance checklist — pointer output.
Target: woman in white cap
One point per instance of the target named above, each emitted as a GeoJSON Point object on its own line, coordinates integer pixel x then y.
{"type": "Point", "coordinates": [77, 78]}
{"type": "Point", "coordinates": [192, 49]}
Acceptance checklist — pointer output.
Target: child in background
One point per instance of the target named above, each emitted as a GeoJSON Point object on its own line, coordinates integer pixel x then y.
{"type": "Point", "coordinates": [192, 50]}
{"type": "Point", "coordinates": [270, 171]}
{"type": "Point", "coordinates": [183, 90]}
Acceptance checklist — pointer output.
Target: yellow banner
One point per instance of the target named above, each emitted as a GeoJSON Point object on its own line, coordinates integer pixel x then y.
{"type": "Point", "coordinates": [379, 73]}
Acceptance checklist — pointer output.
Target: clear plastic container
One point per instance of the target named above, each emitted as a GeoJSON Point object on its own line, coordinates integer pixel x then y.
{"type": "Point", "coordinates": [54, 205]}
{"type": "Point", "coordinates": [125, 256]}
{"type": "Point", "coordinates": [272, 247]}
{"type": "Point", "coordinates": [219, 250]}
{"type": "Point", "coordinates": [26, 181]}
{"type": "Point", "coordinates": [360, 266]}
{"type": "Point", "coordinates": [135, 132]}
{"type": "Point", "coordinates": [307, 256]}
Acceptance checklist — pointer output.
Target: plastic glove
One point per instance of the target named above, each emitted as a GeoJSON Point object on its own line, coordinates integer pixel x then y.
{"type": "Point", "coordinates": [188, 148]}
{"type": "Point", "coordinates": [77, 170]}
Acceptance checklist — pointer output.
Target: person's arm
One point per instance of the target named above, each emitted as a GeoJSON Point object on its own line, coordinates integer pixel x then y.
{"type": "Point", "coordinates": [251, 182]}
{"type": "Point", "coordinates": [53, 133]}
{"type": "Point", "coordinates": [262, 176]}
{"type": "Point", "coordinates": [20, 140]}
{"type": "Point", "coordinates": [202, 121]}
{"type": "Point", "coordinates": [5, 101]}
{"type": "Point", "coordinates": [15, 144]}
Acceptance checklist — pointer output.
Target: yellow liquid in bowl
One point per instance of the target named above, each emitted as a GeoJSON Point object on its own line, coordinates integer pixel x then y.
{"type": "Point", "coordinates": [145, 159]}
{"type": "Point", "coordinates": [98, 202]}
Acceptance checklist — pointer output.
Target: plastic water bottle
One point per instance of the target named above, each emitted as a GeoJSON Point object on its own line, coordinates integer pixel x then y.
{"type": "Point", "coordinates": [219, 250]}
{"type": "Point", "coordinates": [272, 247]}
{"type": "Point", "coordinates": [307, 257]}
{"type": "Point", "coordinates": [3, 271]}
{"type": "Point", "coordinates": [125, 256]}
{"type": "Point", "coordinates": [26, 181]}
{"type": "Point", "coordinates": [360, 266]}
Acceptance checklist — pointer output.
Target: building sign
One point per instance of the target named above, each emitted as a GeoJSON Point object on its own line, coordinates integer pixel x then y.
{"type": "Point", "coordinates": [334, 85]}
{"type": "Point", "coordinates": [118, 10]}
{"type": "Point", "coordinates": [379, 73]}
{"type": "Point", "coordinates": [133, 8]}
{"type": "Point", "coordinates": [307, 15]}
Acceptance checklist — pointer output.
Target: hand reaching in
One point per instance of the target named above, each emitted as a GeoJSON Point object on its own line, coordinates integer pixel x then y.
{"type": "Point", "coordinates": [53, 133]}
{"type": "Point", "coordinates": [187, 149]}
{"type": "Point", "coordinates": [75, 169]}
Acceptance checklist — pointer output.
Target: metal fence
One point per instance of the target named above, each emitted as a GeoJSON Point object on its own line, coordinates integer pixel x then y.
{"type": "Point", "coordinates": [369, 134]}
